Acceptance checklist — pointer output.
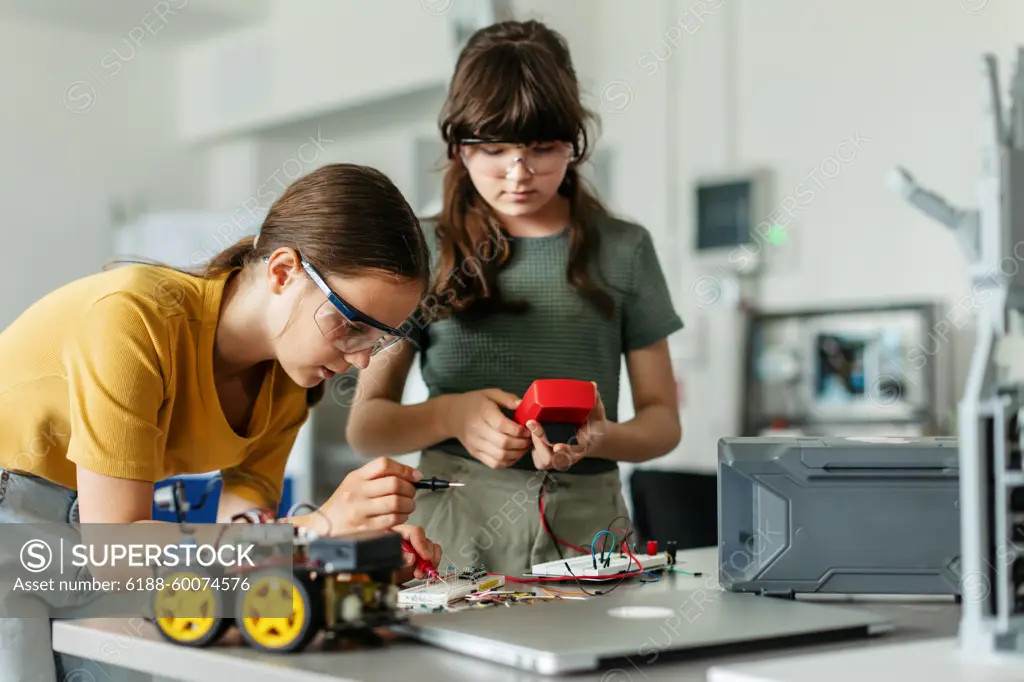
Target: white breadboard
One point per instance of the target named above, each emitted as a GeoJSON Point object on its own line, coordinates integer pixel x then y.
{"type": "Point", "coordinates": [583, 566]}
{"type": "Point", "coordinates": [440, 593]}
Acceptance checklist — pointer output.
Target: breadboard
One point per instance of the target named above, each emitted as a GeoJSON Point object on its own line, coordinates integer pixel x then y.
{"type": "Point", "coordinates": [441, 593]}
{"type": "Point", "coordinates": [583, 566]}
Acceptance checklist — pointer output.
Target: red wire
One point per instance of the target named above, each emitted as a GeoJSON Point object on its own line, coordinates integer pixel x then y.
{"type": "Point", "coordinates": [548, 530]}
{"type": "Point", "coordinates": [640, 569]}
{"type": "Point", "coordinates": [557, 539]}
{"type": "Point", "coordinates": [567, 578]}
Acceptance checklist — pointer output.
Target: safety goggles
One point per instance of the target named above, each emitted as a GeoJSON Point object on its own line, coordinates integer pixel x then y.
{"type": "Point", "coordinates": [497, 158]}
{"type": "Point", "coordinates": [348, 329]}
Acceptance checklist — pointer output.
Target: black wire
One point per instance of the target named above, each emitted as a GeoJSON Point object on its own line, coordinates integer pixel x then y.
{"type": "Point", "coordinates": [558, 548]}
{"type": "Point", "coordinates": [612, 533]}
{"type": "Point", "coordinates": [627, 533]}
{"type": "Point", "coordinates": [554, 536]}
{"type": "Point", "coordinates": [624, 543]}
{"type": "Point", "coordinates": [210, 485]}
{"type": "Point", "coordinates": [625, 574]}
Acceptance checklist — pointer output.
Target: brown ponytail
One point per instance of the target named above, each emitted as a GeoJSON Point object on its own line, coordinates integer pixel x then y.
{"type": "Point", "coordinates": [238, 255]}
{"type": "Point", "coordinates": [344, 219]}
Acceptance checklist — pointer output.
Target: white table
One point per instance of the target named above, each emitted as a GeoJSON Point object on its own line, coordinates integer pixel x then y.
{"type": "Point", "coordinates": [935, 660]}
{"type": "Point", "coordinates": [133, 645]}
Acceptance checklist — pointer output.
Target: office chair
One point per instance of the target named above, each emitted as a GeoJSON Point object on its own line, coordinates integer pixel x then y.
{"type": "Point", "coordinates": [675, 506]}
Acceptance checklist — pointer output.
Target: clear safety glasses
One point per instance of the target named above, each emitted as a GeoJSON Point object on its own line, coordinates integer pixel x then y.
{"type": "Point", "coordinates": [497, 158]}
{"type": "Point", "coordinates": [348, 329]}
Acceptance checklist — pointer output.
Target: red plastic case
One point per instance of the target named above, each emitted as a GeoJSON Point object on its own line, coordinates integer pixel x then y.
{"type": "Point", "coordinates": [560, 406]}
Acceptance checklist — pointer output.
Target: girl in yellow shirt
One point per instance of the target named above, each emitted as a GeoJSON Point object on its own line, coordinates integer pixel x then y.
{"type": "Point", "coordinates": [121, 379]}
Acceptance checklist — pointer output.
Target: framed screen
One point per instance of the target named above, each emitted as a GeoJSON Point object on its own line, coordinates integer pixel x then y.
{"type": "Point", "coordinates": [724, 214]}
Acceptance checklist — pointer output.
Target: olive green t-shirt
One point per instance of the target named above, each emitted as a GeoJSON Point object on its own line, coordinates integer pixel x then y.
{"type": "Point", "coordinates": [562, 335]}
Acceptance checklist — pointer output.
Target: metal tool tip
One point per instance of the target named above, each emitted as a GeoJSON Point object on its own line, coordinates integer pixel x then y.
{"type": "Point", "coordinates": [456, 485]}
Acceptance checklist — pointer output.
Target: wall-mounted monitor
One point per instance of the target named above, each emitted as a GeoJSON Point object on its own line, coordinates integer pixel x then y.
{"type": "Point", "coordinates": [723, 214]}
{"type": "Point", "coordinates": [829, 369]}
{"type": "Point", "coordinates": [727, 212]}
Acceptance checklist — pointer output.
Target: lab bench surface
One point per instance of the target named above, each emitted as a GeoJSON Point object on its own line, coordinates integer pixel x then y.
{"type": "Point", "coordinates": [134, 645]}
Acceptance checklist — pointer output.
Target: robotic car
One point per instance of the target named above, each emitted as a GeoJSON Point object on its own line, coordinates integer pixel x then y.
{"type": "Point", "coordinates": [342, 585]}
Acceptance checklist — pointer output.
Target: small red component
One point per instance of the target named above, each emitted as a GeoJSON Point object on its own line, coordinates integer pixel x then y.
{"type": "Point", "coordinates": [567, 401]}
{"type": "Point", "coordinates": [652, 546]}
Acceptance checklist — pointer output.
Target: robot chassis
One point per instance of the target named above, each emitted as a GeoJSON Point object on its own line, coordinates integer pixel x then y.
{"type": "Point", "coordinates": [343, 586]}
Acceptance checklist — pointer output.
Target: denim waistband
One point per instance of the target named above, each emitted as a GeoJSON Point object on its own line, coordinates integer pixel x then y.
{"type": "Point", "coordinates": [25, 498]}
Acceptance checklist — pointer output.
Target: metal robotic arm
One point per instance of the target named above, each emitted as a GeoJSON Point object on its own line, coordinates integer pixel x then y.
{"type": "Point", "coordinates": [989, 416]}
{"type": "Point", "coordinates": [963, 223]}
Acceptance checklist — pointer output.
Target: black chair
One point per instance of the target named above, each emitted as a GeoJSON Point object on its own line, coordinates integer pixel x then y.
{"type": "Point", "coordinates": [671, 506]}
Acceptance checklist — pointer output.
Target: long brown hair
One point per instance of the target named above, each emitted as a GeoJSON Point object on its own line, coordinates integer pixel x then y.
{"type": "Point", "coordinates": [343, 219]}
{"type": "Point", "coordinates": [513, 80]}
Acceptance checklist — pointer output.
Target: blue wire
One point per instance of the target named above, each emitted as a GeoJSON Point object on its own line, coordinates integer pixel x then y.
{"type": "Point", "coordinates": [593, 542]}
{"type": "Point", "coordinates": [653, 575]}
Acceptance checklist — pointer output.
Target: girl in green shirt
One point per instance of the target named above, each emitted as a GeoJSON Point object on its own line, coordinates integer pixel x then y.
{"type": "Point", "coordinates": [532, 279]}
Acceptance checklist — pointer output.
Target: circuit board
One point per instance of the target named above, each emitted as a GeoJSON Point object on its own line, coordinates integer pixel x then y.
{"type": "Point", "coordinates": [441, 592]}
{"type": "Point", "coordinates": [583, 566]}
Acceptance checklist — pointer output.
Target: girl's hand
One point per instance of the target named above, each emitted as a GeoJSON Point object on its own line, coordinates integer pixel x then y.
{"type": "Point", "coordinates": [477, 421]}
{"type": "Point", "coordinates": [377, 496]}
{"type": "Point", "coordinates": [561, 456]}
{"type": "Point", "coordinates": [426, 550]}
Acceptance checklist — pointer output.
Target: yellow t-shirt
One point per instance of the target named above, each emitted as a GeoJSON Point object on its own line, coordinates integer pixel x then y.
{"type": "Point", "coordinates": [114, 373]}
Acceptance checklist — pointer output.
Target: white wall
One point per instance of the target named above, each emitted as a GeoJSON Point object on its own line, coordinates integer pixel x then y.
{"type": "Point", "coordinates": [378, 135]}
{"type": "Point", "coordinates": [781, 85]}
{"type": "Point", "coordinates": [906, 76]}
{"type": "Point", "coordinates": [80, 129]}
{"type": "Point", "coordinates": [309, 58]}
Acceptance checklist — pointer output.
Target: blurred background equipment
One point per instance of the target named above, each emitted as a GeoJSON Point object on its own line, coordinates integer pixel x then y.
{"type": "Point", "coordinates": [990, 637]}
{"type": "Point", "coordinates": [845, 372]}
{"type": "Point", "coordinates": [731, 212]}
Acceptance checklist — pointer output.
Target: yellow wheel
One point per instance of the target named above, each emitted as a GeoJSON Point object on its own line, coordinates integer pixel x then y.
{"type": "Point", "coordinates": [188, 616]}
{"type": "Point", "coordinates": [279, 612]}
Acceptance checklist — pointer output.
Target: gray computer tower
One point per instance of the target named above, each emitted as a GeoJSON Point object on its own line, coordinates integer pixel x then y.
{"type": "Point", "coordinates": [839, 515]}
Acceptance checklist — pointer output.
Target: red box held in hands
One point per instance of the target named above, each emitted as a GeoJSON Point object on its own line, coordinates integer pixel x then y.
{"type": "Point", "coordinates": [560, 406]}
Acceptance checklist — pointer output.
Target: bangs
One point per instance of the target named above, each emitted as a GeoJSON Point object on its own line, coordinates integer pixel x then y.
{"type": "Point", "coordinates": [512, 99]}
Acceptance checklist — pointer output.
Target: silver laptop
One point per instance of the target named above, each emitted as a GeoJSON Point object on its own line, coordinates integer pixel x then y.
{"type": "Point", "coordinates": [636, 625]}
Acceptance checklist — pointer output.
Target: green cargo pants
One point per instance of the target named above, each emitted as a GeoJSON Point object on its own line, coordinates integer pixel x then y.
{"type": "Point", "coordinates": [495, 518]}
